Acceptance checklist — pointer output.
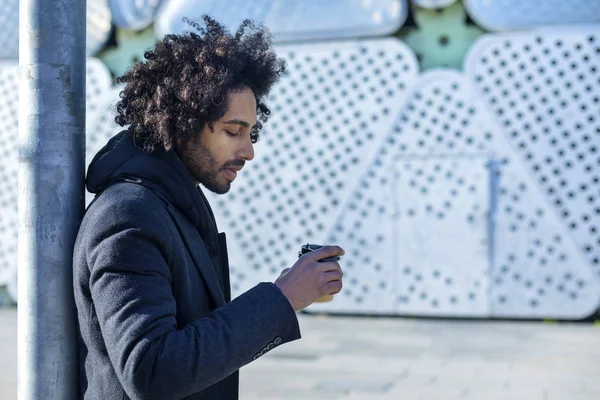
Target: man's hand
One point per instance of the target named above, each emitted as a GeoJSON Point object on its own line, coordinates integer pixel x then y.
{"type": "Point", "coordinates": [309, 279]}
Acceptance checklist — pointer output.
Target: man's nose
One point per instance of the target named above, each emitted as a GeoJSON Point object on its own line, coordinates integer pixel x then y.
{"type": "Point", "coordinates": [247, 151]}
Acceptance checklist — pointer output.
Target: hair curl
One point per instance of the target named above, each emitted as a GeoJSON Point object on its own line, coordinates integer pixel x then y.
{"type": "Point", "coordinates": [186, 80]}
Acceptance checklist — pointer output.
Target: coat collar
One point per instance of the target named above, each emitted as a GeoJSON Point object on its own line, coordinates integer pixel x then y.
{"type": "Point", "coordinates": [199, 253]}
{"type": "Point", "coordinates": [164, 173]}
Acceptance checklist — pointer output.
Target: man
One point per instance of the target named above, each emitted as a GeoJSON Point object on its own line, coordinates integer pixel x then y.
{"type": "Point", "coordinates": [151, 275]}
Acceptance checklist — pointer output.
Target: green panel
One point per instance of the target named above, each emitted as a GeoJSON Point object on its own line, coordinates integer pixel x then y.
{"type": "Point", "coordinates": [442, 37]}
{"type": "Point", "coordinates": [129, 50]}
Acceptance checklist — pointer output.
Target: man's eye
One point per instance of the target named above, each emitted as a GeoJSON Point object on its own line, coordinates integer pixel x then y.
{"type": "Point", "coordinates": [231, 133]}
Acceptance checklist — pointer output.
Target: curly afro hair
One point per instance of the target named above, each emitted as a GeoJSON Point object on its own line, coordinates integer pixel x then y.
{"type": "Point", "coordinates": [186, 80]}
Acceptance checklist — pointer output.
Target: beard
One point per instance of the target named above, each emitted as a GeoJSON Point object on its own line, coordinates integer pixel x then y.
{"type": "Point", "coordinates": [204, 168]}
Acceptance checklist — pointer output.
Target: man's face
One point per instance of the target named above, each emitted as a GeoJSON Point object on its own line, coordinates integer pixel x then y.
{"type": "Point", "coordinates": [215, 158]}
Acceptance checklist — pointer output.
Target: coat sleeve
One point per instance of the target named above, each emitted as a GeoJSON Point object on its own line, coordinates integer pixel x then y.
{"type": "Point", "coordinates": [128, 252]}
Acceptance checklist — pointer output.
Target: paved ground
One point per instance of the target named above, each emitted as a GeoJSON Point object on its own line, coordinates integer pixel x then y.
{"type": "Point", "coordinates": [407, 359]}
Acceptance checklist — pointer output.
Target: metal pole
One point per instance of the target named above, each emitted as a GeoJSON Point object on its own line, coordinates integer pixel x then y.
{"type": "Point", "coordinates": [51, 196]}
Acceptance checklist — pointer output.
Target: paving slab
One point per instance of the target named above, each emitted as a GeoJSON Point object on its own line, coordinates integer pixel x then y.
{"type": "Point", "coordinates": [370, 358]}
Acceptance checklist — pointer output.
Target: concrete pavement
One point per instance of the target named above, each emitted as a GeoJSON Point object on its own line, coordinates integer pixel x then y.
{"type": "Point", "coordinates": [368, 358]}
{"type": "Point", "coordinates": [408, 359]}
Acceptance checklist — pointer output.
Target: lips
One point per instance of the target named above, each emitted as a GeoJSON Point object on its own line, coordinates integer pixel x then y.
{"type": "Point", "coordinates": [230, 173]}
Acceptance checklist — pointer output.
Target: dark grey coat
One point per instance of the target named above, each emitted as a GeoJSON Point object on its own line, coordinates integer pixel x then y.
{"type": "Point", "coordinates": [151, 287]}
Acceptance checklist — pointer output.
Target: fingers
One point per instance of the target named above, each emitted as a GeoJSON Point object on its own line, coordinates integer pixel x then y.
{"type": "Point", "coordinates": [335, 275]}
{"type": "Point", "coordinates": [325, 252]}
{"type": "Point", "coordinates": [333, 281]}
{"type": "Point", "coordinates": [329, 266]}
{"type": "Point", "coordinates": [334, 287]}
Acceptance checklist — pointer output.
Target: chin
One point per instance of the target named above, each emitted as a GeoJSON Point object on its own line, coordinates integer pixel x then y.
{"type": "Point", "coordinates": [218, 189]}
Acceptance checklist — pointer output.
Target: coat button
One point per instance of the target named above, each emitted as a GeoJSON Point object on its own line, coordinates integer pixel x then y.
{"type": "Point", "coordinates": [277, 341]}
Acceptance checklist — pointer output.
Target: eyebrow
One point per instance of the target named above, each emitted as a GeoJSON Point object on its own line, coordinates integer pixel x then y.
{"type": "Point", "coordinates": [237, 122]}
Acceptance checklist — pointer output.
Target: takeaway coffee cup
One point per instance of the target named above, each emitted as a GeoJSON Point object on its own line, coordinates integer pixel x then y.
{"type": "Point", "coordinates": [307, 248]}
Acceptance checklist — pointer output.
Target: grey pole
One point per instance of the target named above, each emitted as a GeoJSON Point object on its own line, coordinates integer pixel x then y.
{"type": "Point", "coordinates": [51, 198]}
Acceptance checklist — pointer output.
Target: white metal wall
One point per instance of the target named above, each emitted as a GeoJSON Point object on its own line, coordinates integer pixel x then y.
{"type": "Point", "coordinates": [454, 194]}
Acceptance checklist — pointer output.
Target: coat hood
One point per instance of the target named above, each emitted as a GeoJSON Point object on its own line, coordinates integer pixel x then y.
{"type": "Point", "coordinates": [163, 171]}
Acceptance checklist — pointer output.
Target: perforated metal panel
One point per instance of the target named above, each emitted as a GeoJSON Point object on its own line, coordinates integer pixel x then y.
{"type": "Point", "coordinates": [441, 240]}
{"type": "Point", "coordinates": [329, 114]}
{"type": "Point", "coordinates": [102, 127]}
{"type": "Point", "coordinates": [543, 89]}
{"type": "Point", "coordinates": [415, 234]}
{"type": "Point", "coordinates": [417, 224]}
{"type": "Point", "coordinates": [498, 15]}
{"type": "Point", "coordinates": [441, 207]}
{"type": "Point", "coordinates": [97, 83]}
{"type": "Point", "coordinates": [538, 270]}
{"type": "Point", "coordinates": [448, 248]}
{"type": "Point", "coordinates": [133, 14]}
{"type": "Point", "coordinates": [436, 4]}
{"type": "Point", "coordinates": [9, 92]}
{"type": "Point", "coordinates": [291, 20]}
{"type": "Point", "coordinates": [9, 29]}
{"type": "Point", "coordinates": [98, 27]}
